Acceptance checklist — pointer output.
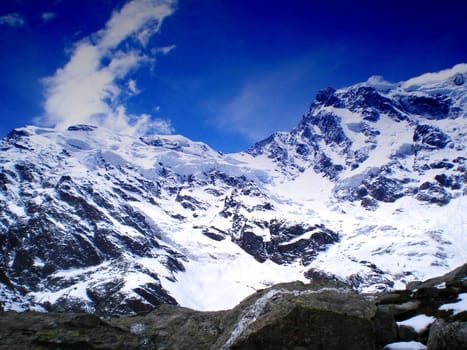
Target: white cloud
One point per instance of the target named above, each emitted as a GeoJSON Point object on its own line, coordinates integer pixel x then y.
{"type": "Point", "coordinates": [12, 20]}
{"type": "Point", "coordinates": [268, 102]}
{"type": "Point", "coordinates": [122, 122]}
{"type": "Point", "coordinates": [132, 86]}
{"type": "Point", "coordinates": [431, 78]}
{"type": "Point", "coordinates": [89, 88]}
{"type": "Point", "coordinates": [165, 50]}
{"type": "Point", "coordinates": [48, 16]}
{"type": "Point", "coordinates": [133, 19]}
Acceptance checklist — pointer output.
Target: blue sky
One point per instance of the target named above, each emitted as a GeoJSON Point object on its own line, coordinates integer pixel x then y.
{"type": "Point", "coordinates": [225, 72]}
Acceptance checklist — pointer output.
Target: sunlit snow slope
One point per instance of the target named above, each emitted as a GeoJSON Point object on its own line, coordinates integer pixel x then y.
{"type": "Point", "coordinates": [370, 187]}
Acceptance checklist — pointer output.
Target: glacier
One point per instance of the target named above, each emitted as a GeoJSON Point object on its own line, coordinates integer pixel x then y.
{"type": "Point", "coordinates": [368, 188]}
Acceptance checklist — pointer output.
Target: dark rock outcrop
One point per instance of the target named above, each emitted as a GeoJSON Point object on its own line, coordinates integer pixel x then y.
{"type": "Point", "coordinates": [430, 107]}
{"type": "Point", "coordinates": [326, 318]}
{"type": "Point", "coordinates": [39, 331]}
{"type": "Point", "coordinates": [288, 243]}
{"type": "Point", "coordinates": [430, 136]}
{"type": "Point", "coordinates": [325, 314]}
{"type": "Point", "coordinates": [322, 315]}
{"type": "Point", "coordinates": [448, 335]}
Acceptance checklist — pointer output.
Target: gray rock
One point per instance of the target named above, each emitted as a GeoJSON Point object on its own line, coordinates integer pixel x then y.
{"type": "Point", "coordinates": [326, 314]}
{"type": "Point", "coordinates": [385, 326]}
{"type": "Point", "coordinates": [326, 318]}
{"type": "Point", "coordinates": [406, 333]}
{"type": "Point", "coordinates": [287, 316]}
{"type": "Point", "coordinates": [448, 336]}
{"type": "Point", "coordinates": [33, 330]}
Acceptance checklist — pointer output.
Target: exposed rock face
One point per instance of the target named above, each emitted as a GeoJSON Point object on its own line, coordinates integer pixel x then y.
{"type": "Point", "coordinates": [284, 247]}
{"type": "Point", "coordinates": [35, 330]}
{"type": "Point", "coordinates": [320, 316]}
{"type": "Point", "coordinates": [93, 221]}
{"type": "Point", "coordinates": [325, 314]}
{"type": "Point", "coordinates": [448, 335]}
{"type": "Point", "coordinates": [327, 318]}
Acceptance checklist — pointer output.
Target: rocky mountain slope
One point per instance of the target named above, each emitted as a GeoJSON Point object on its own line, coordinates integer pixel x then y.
{"type": "Point", "coordinates": [324, 314]}
{"type": "Point", "coordinates": [369, 188]}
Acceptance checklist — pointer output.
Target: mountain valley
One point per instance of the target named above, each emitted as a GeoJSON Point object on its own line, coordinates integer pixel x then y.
{"type": "Point", "coordinates": [369, 189]}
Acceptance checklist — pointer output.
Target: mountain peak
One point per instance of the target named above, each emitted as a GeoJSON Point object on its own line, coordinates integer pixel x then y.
{"type": "Point", "coordinates": [368, 188]}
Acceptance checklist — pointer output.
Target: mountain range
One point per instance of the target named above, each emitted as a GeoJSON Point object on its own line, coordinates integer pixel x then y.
{"type": "Point", "coordinates": [369, 188]}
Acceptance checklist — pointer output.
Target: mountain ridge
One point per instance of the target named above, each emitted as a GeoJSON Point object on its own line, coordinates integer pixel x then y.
{"type": "Point", "coordinates": [368, 188]}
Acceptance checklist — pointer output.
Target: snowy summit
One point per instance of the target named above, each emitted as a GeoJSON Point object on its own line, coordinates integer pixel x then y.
{"type": "Point", "coordinates": [369, 187]}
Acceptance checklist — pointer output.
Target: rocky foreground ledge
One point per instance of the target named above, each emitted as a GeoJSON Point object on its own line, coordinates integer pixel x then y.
{"type": "Point", "coordinates": [325, 314]}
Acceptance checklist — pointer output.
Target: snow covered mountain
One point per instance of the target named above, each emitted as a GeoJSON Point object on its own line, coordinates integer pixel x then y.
{"type": "Point", "coordinates": [370, 188]}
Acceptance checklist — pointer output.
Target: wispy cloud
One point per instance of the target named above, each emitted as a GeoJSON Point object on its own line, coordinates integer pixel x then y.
{"type": "Point", "coordinates": [13, 20]}
{"type": "Point", "coordinates": [48, 16]}
{"type": "Point", "coordinates": [266, 103]}
{"type": "Point", "coordinates": [90, 87]}
{"type": "Point", "coordinates": [165, 49]}
{"type": "Point", "coordinates": [274, 98]}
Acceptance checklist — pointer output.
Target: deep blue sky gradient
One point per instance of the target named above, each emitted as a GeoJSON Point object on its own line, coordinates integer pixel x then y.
{"type": "Point", "coordinates": [241, 69]}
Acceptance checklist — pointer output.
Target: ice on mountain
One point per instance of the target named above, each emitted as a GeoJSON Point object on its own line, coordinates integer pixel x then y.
{"type": "Point", "coordinates": [355, 127]}
{"type": "Point", "coordinates": [16, 210]}
{"type": "Point", "coordinates": [404, 150]}
{"type": "Point", "coordinates": [77, 144]}
{"type": "Point", "coordinates": [173, 218]}
{"type": "Point", "coordinates": [434, 79]}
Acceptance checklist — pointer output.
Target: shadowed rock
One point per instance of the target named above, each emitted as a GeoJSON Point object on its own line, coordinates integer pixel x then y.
{"type": "Point", "coordinates": [325, 314]}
